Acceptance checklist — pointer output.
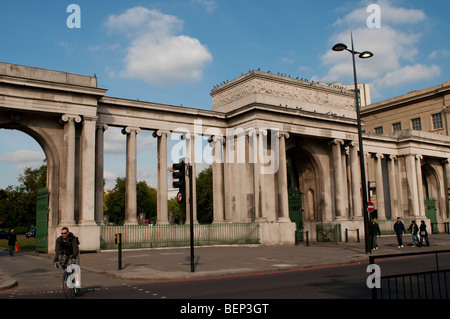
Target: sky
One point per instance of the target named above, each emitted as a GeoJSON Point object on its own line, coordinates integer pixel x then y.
{"type": "Point", "coordinates": [175, 52]}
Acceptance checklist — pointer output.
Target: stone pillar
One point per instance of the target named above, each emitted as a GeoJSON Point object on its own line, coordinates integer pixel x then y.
{"type": "Point", "coordinates": [393, 179]}
{"type": "Point", "coordinates": [99, 172]}
{"type": "Point", "coordinates": [379, 182]}
{"type": "Point", "coordinates": [283, 199]}
{"type": "Point", "coordinates": [162, 192]}
{"type": "Point", "coordinates": [190, 160]}
{"type": "Point", "coordinates": [356, 181]}
{"type": "Point", "coordinates": [131, 176]}
{"type": "Point", "coordinates": [68, 204]}
{"type": "Point", "coordinates": [411, 179]}
{"type": "Point", "coordinates": [420, 186]}
{"type": "Point", "coordinates": [218, 186]}
{"type": "Point", "coordinates": [87, 172]}
{"type": "Point", "coordinates": [253, 136]}
{"type": "Point", "coordinates": [338, 178]}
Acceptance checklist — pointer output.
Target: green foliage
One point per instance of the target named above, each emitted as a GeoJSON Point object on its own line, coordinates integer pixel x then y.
{"type": "Point", "coordinates": [205, 197]}
{"type": "Point", "coordinates": [114, 201]}
{"type": "Point", "coordinates": [18, 203]}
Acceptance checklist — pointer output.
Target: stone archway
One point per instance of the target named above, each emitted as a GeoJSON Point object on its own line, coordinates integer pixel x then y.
{"type": "Point", "coordinates": [304, 175]}
{"type": "Point", "coordinates": [23, 123]}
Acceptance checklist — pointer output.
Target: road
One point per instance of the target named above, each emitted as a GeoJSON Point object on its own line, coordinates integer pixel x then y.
{"type": "Point", "coordinates": [37, 278]}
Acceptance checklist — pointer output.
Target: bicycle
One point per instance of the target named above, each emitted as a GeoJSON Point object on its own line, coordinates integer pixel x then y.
{"type": "Point", "coordinates": [69, 279]}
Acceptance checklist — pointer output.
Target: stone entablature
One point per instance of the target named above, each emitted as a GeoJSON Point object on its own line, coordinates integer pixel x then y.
{"type": "Point", "coordinates": [270, 89]}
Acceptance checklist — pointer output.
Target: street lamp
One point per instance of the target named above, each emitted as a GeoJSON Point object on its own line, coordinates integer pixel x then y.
{"type": "Point", "coordinates": [363, 55]}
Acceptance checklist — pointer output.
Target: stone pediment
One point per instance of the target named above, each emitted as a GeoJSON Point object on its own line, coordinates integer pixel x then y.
{"type": "Point", "coordinates": [270, 89]}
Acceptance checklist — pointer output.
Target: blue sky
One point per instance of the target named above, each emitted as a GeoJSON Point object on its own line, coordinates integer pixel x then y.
{"type": "Point", "coordinates": [174, 52]}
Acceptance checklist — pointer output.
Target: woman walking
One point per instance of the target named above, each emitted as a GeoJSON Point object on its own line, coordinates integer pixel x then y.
{"type": "Point", "coordinates": [12, 240]}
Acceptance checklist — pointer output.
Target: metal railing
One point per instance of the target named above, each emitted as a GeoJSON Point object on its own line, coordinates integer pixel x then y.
{"type": "Point", "coordinates": [137, 236]}
{"type": "Point", "coordinates": [430, 284]}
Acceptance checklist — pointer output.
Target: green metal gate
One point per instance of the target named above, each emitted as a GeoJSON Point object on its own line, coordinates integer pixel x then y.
{"type": "Point", "coordinates": [296, 212]}
{"type": "Point", "coordinates": [42, 220]}
{"type": "Point", "coordinates": [430, 212]}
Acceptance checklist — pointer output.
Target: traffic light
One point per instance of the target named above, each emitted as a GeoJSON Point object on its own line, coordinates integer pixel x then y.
{"type": "Point", "coordinates": [179, 172]}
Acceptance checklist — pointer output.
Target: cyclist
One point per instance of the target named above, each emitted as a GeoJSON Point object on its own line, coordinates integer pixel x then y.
{"type": "Point", "coordinates": [66, 245]}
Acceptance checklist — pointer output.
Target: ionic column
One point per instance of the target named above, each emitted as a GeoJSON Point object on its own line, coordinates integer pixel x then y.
{"type": "Point", "coordinates": [411, 179]}
{"type": "Point", "coordinates": [283, 199]}
{"type": "Point", "coordinates": [253, 158]}
{"type": "Point", "coordinates": [218, 186]}
{"type": "Point", "coordinates": [131, 176]}
{"type": "Point", "coordinates": [356, 180]}
{"type": "Point", "coordinates": [379, 182]}
{"type": "Point", "coordinates": [87, 172]}
{"type": "Point", "coordinates": [338, 178]}
{"type": "Point", "coordinates": [393, 178]}
{"type": "Point", "coordinates": [68, 205]}
{"type": "Point", "coordinates": [190, 160]}
{"type": "Point", "coordinates": [162, 193]}
{"type": "Point", "coordinates": [99, 172]}
{"type": "Point", "coordinates": [420, 185]}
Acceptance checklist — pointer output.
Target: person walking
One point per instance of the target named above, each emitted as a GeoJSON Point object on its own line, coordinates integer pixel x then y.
{"type": "Point", "coordinates": [414, 230]}
{"type": "Point", "coordinates": [399, 229]}
{"type": "Point", "coordinates": [12, 240]}
{"type": "Point", "coordinates": [374, 230]}
{"type": "Point", "coordinates": [423, 233]}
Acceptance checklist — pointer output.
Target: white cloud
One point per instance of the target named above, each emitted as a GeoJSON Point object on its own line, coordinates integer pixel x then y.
{"type": "Point", "coordinates": [389, 14]}
{"type": "Point", "coordinates": [24, 158]}
{"type": "Point", "coordinates": [440, 53]}
{"type": "Point", "coordinates": [157, 54]}
{"type": "Point", "coordinates": [407, 74]}
{"type": "Point", "coordinates": [210, 5]}
{"type": "Point", "coordinates": [395, 45]}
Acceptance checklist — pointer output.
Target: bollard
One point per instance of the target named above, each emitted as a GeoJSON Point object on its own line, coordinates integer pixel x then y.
{"type": "Point", "coordinates": [346, 235]}
{"type": "Point", "coordinates": [118, 240]}
{"type": "Point", "coordinates": [307, 238]}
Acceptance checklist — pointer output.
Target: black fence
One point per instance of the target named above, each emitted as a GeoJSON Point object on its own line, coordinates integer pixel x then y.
{"type": "Point", "coordinates": [423, 275]}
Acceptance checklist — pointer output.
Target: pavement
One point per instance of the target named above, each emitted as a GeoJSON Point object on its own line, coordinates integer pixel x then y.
{"type": "Point", "coordinates": [212, 262]}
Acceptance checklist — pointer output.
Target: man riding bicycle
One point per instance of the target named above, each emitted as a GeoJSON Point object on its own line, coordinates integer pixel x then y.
{"type": "Point", "coordinates": [66, 246]}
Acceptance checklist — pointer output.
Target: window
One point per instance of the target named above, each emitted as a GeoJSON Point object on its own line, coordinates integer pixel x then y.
{"type": "Point", "coordinates": [379, 130]}
{"type": "Point", "coordinates": [397, 127]}
{"type": "Point", "coordinates": [437, 121]}
{"type": "Point", "coordinates": [416, 124]}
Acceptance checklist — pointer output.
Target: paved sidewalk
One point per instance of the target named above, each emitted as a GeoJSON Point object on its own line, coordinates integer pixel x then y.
{"type": "Point", "coordinates": [209, 262]}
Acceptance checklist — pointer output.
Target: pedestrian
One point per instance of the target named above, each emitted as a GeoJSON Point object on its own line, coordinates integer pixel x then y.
{"type": "Point", "coordinates": [423, 233]}
{"type": "Point", "coordinates": [374, 230]}
{"type": "Point", "coordinates": [12, 240]}
{"type": "Point", "coordinates": [399, 229]}
{"type": "Point", "coordinates": [414, 230]}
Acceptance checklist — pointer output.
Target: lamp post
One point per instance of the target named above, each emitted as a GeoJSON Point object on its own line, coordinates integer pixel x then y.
{"type": "Point", "coordinates": [363, 55]}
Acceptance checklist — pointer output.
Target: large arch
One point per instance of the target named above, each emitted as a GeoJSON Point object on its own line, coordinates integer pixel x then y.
{"type": "Point", "coordinates": [30, 126]}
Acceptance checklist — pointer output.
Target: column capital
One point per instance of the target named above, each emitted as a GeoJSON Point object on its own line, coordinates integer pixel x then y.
{"type": "Point", "coordinates": [283, 134]}
{"type": "Point", "coordinates": [65, 118]}
{"type": "Point", "coordinates": [446, 161]}
{"type": "Point", "coordinates": [159, 133]}
{"type": "Point", "coordinates": [419, 156]}
{"type": "Point", "coordinates": [189, 135]}
{"type": "Point", "coordinates": [129, 129]}
{"type": "Point", "coordinates": [103, 127]}
{"type": "Point", "coordinates": [378, 156]}
{"type": "Point", "coordinates": [214, 139]}
{"type": "Point", "coordinates": [353, 144]}
{"type": "Point", "coordinates": [336, 141]}
{"type": "Point", "coordinates": [392, 157]}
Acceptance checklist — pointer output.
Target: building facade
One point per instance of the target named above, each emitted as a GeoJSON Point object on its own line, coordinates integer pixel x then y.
{"type": "Point", "coordinates": [269, 134]}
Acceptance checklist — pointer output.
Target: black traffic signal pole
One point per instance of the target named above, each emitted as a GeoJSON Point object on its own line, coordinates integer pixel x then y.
{"type": "Point", "coordinates": [191, 217]}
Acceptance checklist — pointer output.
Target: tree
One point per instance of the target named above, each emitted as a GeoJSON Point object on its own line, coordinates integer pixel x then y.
{"type": "Point", "coordinates": [18, 203]}
{"type": "Point", "coordinates": [114, 201]}
{"type": "Point", "coordinates": [205, 196]}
